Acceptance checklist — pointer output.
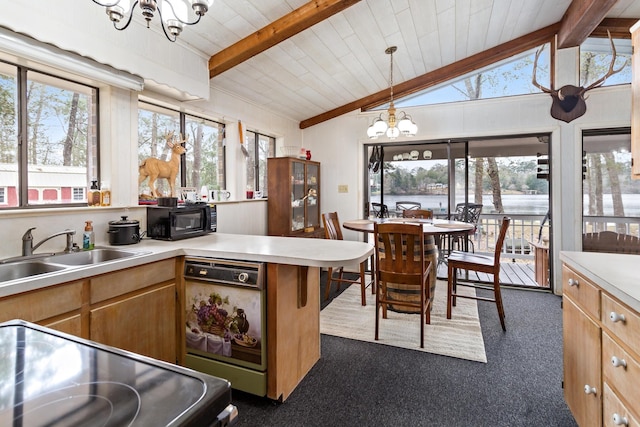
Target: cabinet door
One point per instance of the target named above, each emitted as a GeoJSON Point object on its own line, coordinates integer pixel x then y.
{"type": "Point", "coordinates": [144, 323]}
{"type": "Point", "coordinates": [313, 199]}
{"type": "Point", "coordinates": [298, 195]}
{"type": "Point", "coordinates": [582, 366]}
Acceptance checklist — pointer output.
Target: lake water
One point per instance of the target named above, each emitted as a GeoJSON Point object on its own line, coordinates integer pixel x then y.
{"type": "Point", "coordinates": [526, 204]}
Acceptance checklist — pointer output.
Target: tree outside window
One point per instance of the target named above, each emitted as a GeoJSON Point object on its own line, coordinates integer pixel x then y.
{"type": "Point", "coordinates": [59, 147]}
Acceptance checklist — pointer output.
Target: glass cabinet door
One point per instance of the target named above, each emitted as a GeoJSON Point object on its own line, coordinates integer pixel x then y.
{"type": "Point", "coordinates": [298, 193]}
{"type": "Point", "coordinates": [313, 196]}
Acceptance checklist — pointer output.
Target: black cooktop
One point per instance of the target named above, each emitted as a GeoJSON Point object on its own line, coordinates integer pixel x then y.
{"type": "Point", "coordinates": [48, 378]}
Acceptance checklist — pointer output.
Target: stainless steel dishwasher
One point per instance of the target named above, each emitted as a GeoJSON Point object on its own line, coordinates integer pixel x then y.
{"type": "Point", "coordinates": [226, 333]}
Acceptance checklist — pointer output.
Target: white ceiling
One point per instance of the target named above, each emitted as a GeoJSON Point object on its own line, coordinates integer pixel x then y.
{"type": "Point", "coordinates": [342, 59]}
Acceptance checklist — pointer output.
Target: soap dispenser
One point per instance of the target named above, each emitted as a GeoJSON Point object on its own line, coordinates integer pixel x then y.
{"type": "Point", "coordinates": [88, 237]}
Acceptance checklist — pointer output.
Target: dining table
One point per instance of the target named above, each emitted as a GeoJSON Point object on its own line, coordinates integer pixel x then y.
{"type": "Point", "coordinates": [440, 229]}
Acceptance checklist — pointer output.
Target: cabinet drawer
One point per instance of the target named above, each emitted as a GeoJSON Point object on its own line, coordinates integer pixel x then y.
{"type": "Point", "coordinates": [627, 330]}
{"type": "Point", "coordinates": [582, 291]}
{"type": "Point", "coordinates": [122, 282]}
{"type": "Point", "coordinates": [42, 304]}
{"type": "Point", "coordinates": [614, 412]}
{"type": "Point", "coordinates": [623, 379]}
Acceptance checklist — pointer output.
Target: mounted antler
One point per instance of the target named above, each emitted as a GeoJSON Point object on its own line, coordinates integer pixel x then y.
{"type": "Point", "coordinates": [569, 101]}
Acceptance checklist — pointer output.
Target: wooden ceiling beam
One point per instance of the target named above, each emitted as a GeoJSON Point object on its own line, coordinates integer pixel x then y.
{"type": "Point", "coordinates": [289, 25]}
{"type": "Point", "coordinates": [580, 19]}
{"type": "Point", "coordinates": [619, 28]}
{"type": "Point", "coordinates": [443, 74]}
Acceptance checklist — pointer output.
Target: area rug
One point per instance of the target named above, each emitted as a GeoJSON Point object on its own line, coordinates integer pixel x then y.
{"type": "Point", "coordinates": [460, 336]}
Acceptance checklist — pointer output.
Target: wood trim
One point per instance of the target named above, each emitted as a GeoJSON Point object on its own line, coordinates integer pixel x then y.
{"type": "Point", "coordinates": [289, 25]}
{"type": "Point", "coordinates": [580, 19]}
{"type": "Point", "coordinates": [619, 28]}
{"type": "Point", "coordinates": [442, 74]}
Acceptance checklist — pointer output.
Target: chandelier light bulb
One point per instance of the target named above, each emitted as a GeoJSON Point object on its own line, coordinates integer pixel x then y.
{"type": "Point", "coordinates": [174, 14]}
{"type": "Point", "coordinates": [393, 133]}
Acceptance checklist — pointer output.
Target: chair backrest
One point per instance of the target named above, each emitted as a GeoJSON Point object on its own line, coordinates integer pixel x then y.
{"type": "Point", "coordinates": [417, 213]}
{"type": "Point", "coordinates": [468, 212]}
{"type": "Point", "coordinates": [401, 206]}
{"type": "Point", "coordinates": [380, 210]}
{"type": "Point", "coordinates": [332, 228]}
{"type": "Point", "coordinates": [399, 253]}
{"type": "Point", "coordinates": [500, 242]}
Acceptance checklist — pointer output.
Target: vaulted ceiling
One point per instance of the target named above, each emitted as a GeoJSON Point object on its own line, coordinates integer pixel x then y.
{"type": "Point", "coordinates": [314, 60]}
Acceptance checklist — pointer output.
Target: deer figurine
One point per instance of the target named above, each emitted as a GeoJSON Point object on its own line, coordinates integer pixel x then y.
{"type": "Point", "coordinates": [155, 168]}
{"type": "Point", "coordinates": [569, 101]}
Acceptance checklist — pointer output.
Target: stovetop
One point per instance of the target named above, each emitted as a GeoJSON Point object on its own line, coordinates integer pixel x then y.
{"type": "Point", "coordinates": [48, 378]}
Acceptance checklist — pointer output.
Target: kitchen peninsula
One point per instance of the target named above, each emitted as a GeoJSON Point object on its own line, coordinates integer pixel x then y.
{"type": "Point", "coordinates": [138, 303]}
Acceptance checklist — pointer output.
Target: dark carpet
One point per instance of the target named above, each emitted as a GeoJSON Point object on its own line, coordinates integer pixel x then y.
{"type": "Point", "coordinates": [363, 384]}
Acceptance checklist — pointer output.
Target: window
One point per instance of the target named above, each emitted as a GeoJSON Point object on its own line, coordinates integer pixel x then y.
{"type": "Point", "coordinates": [611, 199]}
{"type": "Point", "coordinates": [506, 78]}
{"type": "Point", "coordinates": [79, 193]}
{"type": "Point", "coordinates": [203, 162]}
{"type": "Point", "coordinates": [57, 122]}
{"type": "Point", "coordinates": [260, 147]}
{"type": "Point", "coordinates": [595, 58]}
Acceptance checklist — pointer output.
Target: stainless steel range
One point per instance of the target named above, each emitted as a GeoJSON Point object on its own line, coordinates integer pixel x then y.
{"type": "Point", "coordinates": [226, 321]}
{"type": "Point", "coordinates": [53, 379]}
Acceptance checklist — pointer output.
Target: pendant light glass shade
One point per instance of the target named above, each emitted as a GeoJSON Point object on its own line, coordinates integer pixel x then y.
{"type": "Point", "coordinates": [393, 129]}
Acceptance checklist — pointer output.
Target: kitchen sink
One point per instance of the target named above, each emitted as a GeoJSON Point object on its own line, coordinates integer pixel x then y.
{"type": "Point", "coordinates": [94, 256]}
{"type": "Point", "coordinates": [22, 269]}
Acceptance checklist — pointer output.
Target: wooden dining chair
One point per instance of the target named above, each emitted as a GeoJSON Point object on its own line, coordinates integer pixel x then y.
{"type": "Point", "coordinates": [479, 263]}
{"type": "Point", "coordinates": [333, 230]}
{"type": "Point", "coordinates": [417, 213]}
{"type": "Point", "coordinates": [402, 272]}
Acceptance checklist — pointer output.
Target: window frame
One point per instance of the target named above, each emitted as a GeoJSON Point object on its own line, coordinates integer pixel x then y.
{"type": "Point", "coordinates": [253, 145]}
{"type": "Point", "coordinates": [182, 123]}
{"type": "Point", "coordinates": [92, 147]}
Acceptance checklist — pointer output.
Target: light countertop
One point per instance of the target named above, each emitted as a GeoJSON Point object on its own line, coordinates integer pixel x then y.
{"type": "Point", "coordinates": [617, 274]}
{"type": "Point", "coordinates": [271, 249]}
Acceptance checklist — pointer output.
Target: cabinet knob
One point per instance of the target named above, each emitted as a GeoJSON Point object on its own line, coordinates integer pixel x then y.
{"type": "Point", "coordinates": [618, 362]}
{"type": "Point", "coordinates": [589, 390]}
{"type": "Point", "coordinates": [619, 420]}
{"type": "Point", "coordinates": [573, 282]}
{"type": "Point", "coordinates": [617, 317]}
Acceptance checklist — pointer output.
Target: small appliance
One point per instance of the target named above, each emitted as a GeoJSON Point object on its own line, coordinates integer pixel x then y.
{"type": "Point", "coordinates": [182, 222]}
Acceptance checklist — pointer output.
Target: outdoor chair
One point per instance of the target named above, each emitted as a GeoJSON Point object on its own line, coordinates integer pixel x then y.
{"type": "Point", "coordinates": [479, 263]}
{"type": "Point", "coordinates": [402, 272]}
{"type": "Point", "coordinates": [379, 210]}
{"type": "Point", "coordinates": [402, 206]}
{"type": "Point", "coordinates": [333, 230]}
{"type": "Point", "coordinates": [470, 213]}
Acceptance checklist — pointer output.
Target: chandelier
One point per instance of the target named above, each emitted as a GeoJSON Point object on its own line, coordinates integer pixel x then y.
{"type": "Point", "coordinates": [174, 14]}
{"type": "Point", "coordinates": [392, 126]}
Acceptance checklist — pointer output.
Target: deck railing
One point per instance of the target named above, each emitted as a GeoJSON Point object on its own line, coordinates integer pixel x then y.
{"type": "Point", "coordinates": [530, 228]}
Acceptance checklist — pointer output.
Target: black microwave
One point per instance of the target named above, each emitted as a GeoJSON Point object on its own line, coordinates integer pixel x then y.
{"type": "Point", "coordinates": [182, 222]}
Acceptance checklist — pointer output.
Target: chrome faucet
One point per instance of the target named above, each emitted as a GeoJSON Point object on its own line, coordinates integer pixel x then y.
{"type": "Point", "coordinates": [27, 241]}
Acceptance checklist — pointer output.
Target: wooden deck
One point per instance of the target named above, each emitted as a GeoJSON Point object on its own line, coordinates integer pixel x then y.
{"type": "Point", "coordinates": [511, 273]}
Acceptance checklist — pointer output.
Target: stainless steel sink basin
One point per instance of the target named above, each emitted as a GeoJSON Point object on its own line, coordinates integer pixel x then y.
{"type": "Point", "coordinates": [22, 269]}
{"type": "Point", "coordinates": [94, 256]}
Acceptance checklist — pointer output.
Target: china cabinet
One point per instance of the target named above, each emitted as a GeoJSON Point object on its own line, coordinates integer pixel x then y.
{"type": "Point", "coordinates": [294, 198]}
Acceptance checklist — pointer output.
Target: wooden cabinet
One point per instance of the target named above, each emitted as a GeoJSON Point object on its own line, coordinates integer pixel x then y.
{"type": "Point", "coordinates": [57, 307]}
{"type": "Point", "coordinates": [635, 100]}
{"type": "Point", "coordinates": [294, 198]}
{"type": "Point", "coordinates": [135, 309]}
{"type": "Point", "coordinates": [601, 354]}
